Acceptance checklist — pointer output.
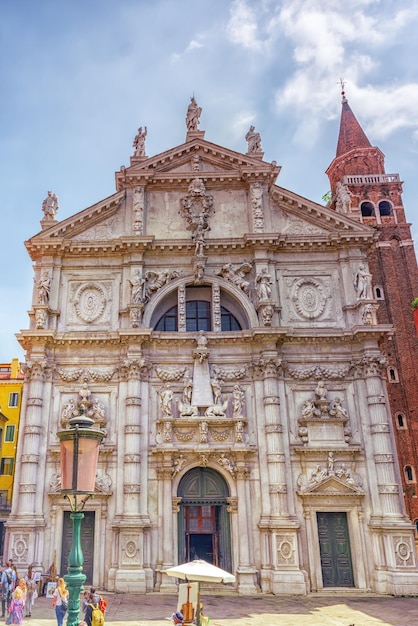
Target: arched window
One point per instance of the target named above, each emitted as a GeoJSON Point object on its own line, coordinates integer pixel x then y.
{"type": "Point", "coordinates": [393, 375]}
{"type": "Point", "coordinates": [367, 209]}
{"type": "Point", "coordinates": [400, 421]}
{"type": "Point", "coordinates": [378, 292]}
{"type": "Point", "coordinates": [385, 208]}
{"type": "Point", "coordinates": [198, 317]}
{"type": "Point", "coordinates": [409, 474]}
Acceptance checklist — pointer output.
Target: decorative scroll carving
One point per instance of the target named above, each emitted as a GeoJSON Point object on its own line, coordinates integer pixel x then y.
{"type": "Point", "coordinates": [41, 316]}
{"type": "Point", "coordinates": [181, 300]}
{"type": "Point", "coordinates": [216, 302]}
{"type": "Point", "coordinates": [197, 207]}
{"type": "Point", "coordinates": [138, 211]}
{"type": "Point", "coordinates": [256, 194]}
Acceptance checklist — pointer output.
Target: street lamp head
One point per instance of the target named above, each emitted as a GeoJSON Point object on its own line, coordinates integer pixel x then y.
{"type": "Point", "coordinates": [79, 447]}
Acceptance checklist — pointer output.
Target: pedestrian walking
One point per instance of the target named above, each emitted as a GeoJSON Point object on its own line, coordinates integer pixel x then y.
{"type": "Point", "coordinates": [60, 601]}
{"type": "Point", "coordinates": [31, 591]}
{"type": "Point", "coordinates": [16, 607]}
{"type": "Point", "coordinates": [7, 586]}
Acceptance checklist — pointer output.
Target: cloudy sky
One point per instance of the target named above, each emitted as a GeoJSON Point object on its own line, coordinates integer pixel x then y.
{"type": "Point", "coordinates": [79, 76]}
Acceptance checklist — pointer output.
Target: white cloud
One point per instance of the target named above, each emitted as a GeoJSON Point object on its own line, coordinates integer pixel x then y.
{"type": "Point", "coordinates": [242, 27]}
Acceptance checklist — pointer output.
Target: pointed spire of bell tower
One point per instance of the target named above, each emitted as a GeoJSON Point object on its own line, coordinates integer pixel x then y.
{"type": "Point", "coordinates": [351, 134]}
{"type": "Point", "coordinates": [359, 183]}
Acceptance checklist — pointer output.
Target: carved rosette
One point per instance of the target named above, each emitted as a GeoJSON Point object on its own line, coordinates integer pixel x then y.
{"type": "Point", "coordinates": [130, 550]}
{"type": "Point", "coordinates": [90, 302]}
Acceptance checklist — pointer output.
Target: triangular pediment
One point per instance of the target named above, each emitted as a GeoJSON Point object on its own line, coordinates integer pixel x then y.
{"type": "Point", "coordinates": [196, 158]}
{"type": "Point", "coordinates": [333, 485]}
{"type": "Point", "coordinates": [100, 218]}
{"type": "Point", "coordinates": [294, 216]}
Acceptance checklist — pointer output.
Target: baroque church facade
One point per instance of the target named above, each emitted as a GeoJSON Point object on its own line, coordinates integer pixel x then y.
{"type": "Point", "coordinates": [225, 333]}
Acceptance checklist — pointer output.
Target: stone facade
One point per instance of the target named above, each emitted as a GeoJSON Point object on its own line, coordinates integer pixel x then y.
{"type": "Point", "coordinates": [211, 319]}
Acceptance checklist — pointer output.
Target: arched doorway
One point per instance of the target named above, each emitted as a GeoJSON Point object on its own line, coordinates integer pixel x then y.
{"type": "Point", "coordinates": [203, 525]}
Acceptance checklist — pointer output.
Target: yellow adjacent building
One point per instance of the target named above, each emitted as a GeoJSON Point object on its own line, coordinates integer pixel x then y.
{"type": "Point", "coordinates": [11, 385]}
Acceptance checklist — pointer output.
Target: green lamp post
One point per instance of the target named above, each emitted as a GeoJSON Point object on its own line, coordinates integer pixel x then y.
{"type": "Point", "coordinates": [79, 447]}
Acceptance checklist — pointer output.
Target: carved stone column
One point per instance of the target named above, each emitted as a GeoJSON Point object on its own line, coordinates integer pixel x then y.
{"type": "Point", "coordinates": [167, 512]}
{"type": "Point", "coordinates": [27, 513]}
{"type": "Point", "coordinates": [130, 524]}
{"type": "Point", "coordinates": [382, 442]}
{"type": "Point", "coordinates": [245, 572]}
{"type": "Point", "coordinates": [275, 458]}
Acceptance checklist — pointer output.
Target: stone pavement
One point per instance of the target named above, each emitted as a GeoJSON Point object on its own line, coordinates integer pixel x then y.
{"type": "Point", "coordinates": [229, 610]}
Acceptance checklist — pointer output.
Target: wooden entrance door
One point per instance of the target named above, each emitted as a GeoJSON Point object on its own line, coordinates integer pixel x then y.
{"type": "Point", "coordinates": [201, 533]}
{"type": "Point", "coordinates": [335, 551]}
{"type": "Point", "coordinates": [203, 522]}
{"type": "Point", "coordinates": [87, 544]}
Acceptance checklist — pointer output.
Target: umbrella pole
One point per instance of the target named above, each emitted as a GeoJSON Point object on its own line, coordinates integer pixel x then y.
{"type": "Point", "coordinates": [198, 605]}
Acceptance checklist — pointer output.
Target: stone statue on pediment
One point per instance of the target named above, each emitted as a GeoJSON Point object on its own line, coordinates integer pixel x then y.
{"type": "Point", "coordinates": [254, 141]}
{"type": "Point", "coordinates": [139, 142]}
{"type": "Point", "coordinates": [50, 206]}
{"type": "Point", "coordinates": [193, 115]}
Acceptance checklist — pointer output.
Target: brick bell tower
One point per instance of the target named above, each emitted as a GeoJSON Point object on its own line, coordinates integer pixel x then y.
{"type": "Point", "coordinates": [361, 188]}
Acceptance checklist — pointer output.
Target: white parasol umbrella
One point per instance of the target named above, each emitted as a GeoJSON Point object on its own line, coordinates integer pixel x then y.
{"type": "Point", "coordinates": [201, 572]}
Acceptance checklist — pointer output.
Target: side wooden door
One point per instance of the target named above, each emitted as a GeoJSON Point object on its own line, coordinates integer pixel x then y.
{"type": "Point", "coordinates": [335, 551]}
{"type": "Point", "coordinates": [87, 544]}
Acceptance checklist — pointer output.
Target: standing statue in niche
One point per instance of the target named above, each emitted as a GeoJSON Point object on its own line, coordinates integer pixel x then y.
{"type": "Point", "coordinates": [187, 388]}
{"type": "Point", "coordinates": [139, 142]}
{"type": "Point", "coordinates": [137, 288]}
{"type": "Point", "coordinates": [50, 206]}
{"type": "Point", "coordinates": [362, 282]}
{"type": "Point", "coordinates": [254, 141]}
{"type": "Point", "coordinates": [166, 398]}
{"type": "Point", "coordinates": [263, 284]}
{"type": "Point", "coordinates": [193, 115]}
{"type": "Point", "coordinates": [238, 401]}
{"type": "Point", "coordinates": [44, 288]}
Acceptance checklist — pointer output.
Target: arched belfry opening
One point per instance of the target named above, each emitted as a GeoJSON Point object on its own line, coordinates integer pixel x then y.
{"type": "Point", "coordinates": [203, 523]}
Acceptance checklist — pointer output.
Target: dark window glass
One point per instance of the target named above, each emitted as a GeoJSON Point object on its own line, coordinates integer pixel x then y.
{"type": "Point", "coordinates": [409, 473]}
{"type": "Point", "coordinates": [198, 317]}
{"type": "Point", "coordinates": [367, 209]}
{"type": "Point", "coordinates": [6, 466]}
{"type": "Point", "coordinates": [168, 322]}
{"type": "Point", "coordinates": [228, 321]}
{"type": "Point", "coordinates": [385, 208]}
